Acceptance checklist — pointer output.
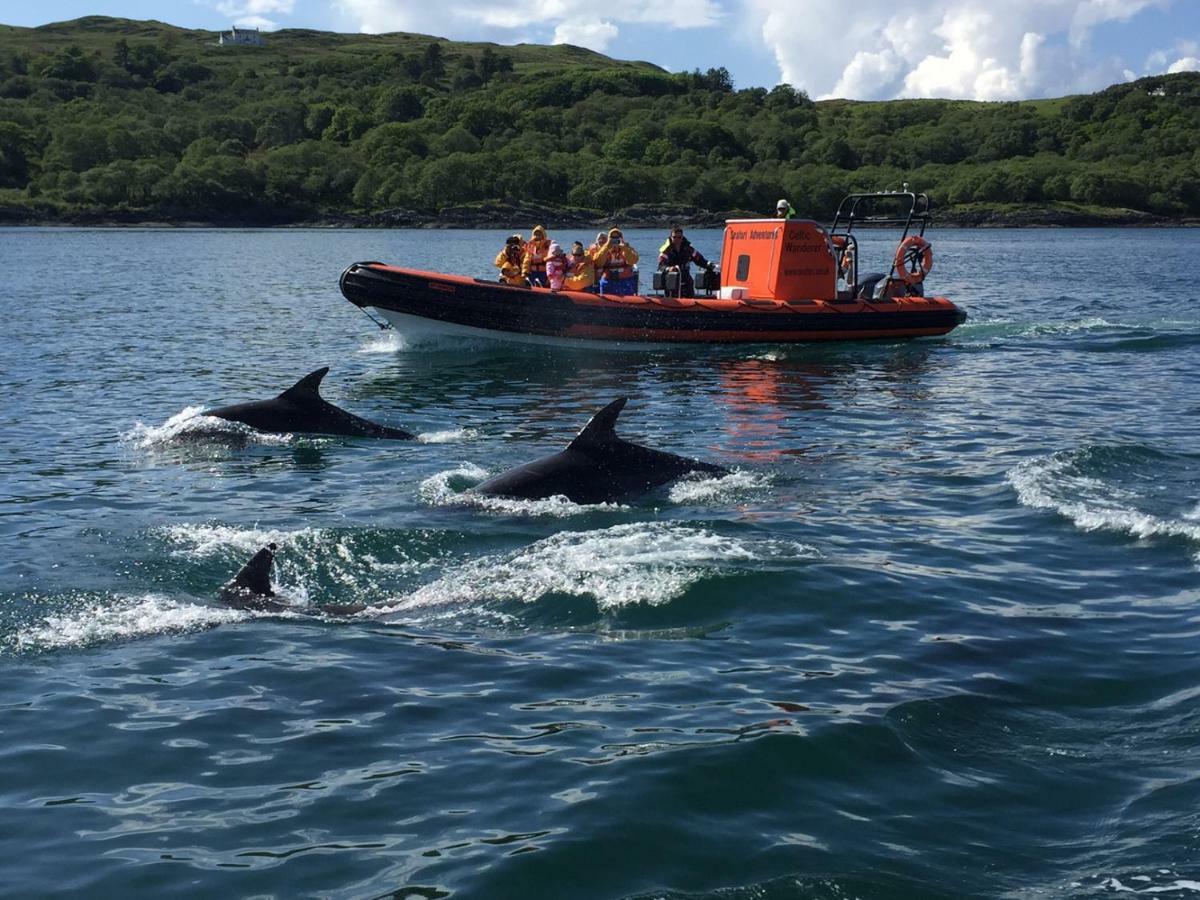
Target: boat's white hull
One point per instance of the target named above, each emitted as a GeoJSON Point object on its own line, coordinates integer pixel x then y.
{"type": "Point", "coordinates": [418, 329]}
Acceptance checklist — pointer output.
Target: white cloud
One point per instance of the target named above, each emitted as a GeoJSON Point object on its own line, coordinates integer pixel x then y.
{"type": "Point", "coordinates": [594, 35]}
{"type": "Point", "coordinates": [971, 49]}
{"type": "Point", "coordinates": [254, 13]}
{"type": "Point", "coordinates": [1187, 64]}
{"type": "Point", "coordinates": [579, 22]}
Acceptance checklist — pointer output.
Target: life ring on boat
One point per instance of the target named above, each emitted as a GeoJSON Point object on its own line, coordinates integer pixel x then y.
{"type": "Point", "coordinates": [914, 259]}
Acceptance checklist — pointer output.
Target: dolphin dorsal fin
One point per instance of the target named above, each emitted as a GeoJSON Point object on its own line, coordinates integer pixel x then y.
{"type": "Point", "coordinates": [308, 387]}
{"type": "Point", "coordinates": [255, 576]}
{"type": "Point", "coordinates": [602, 428]}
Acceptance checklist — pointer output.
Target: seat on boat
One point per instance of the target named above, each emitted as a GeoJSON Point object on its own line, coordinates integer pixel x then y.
{"type": "Point", "coordinates": [868, 283]}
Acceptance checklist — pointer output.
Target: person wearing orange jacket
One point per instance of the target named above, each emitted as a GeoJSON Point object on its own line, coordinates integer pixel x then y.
{"type": "Point", "coordinates": [537, 248]}
{"type": "Point", "coordinates": [581, 271]}
{"type": "Point", "coordinates": [509, 261]}
{"type": "Point", "coordinates": [614, 264]}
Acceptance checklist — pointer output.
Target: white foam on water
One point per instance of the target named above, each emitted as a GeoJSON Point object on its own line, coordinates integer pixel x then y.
{"type": "Point", "coordinates": [450, 436]}
{"type": "Point", "coordinates": [384, 342]}
{"type": "Point", "coordinates": [648, 563]}
{"type": "Point", "coordinates": [714, 489]}
{"type": "Point", "coordinates": [449, 488]}
{"type": "Point", "coordinates": [306, 558]}
{"type": "Point", "coordinates": [1051, 482]}
{"type": "Point", "coordinates": [1074, 327]}
{"type": "Point", "coordinates": [1114, 885]}
{"type": "Point", "coordinates": [189, 425]}
{"type": "Point", "coordinates": [122, 619]}
{"type": "Point", "coordinates": [198, 541]}
{"type": "Point", "coordinates": [768, 356]}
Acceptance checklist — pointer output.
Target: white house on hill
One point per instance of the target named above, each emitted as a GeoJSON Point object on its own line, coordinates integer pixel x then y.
{"type": "Point", "coordinates": [245, 36]}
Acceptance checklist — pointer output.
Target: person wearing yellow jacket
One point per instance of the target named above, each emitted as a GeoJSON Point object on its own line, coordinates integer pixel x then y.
{"type": "Point", "coordinates": [537, 248]}
{"type": "Point", "coordinates": [510, 259]}
{"type": "Point", "coordinates": [614, 263]}
{"type": "Point", "coordinates": [581, 271]}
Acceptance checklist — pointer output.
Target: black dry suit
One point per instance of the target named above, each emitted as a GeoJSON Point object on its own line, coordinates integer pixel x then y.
{"type": "Point", "coordinates": [682, 256]}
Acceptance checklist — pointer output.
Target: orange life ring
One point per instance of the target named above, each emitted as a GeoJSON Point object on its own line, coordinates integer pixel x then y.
{"type": "Point", "coordinates": [914, 259]}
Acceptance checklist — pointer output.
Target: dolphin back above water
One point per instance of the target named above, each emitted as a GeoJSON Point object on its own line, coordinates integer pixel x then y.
{"type": "Point", "coordinates": [302, 409]}
{"type": "Point", "coordinates": [251, 589]}
{"type": "Point", "coordinates": [251, 586]}
{"type": "Point", "coordinates": [597, 467]}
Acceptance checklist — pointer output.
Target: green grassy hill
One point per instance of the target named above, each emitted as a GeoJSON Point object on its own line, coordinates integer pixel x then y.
{"type": "Point", "coordinates": [104, 118]}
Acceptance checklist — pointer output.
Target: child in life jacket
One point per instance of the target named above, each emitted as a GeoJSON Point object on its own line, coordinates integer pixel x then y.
{"type": "Point", "coordinates": [556, 266]}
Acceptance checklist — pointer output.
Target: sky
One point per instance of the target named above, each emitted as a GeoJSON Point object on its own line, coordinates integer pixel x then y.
{"type": "Point", "coordinates": [862, 50]}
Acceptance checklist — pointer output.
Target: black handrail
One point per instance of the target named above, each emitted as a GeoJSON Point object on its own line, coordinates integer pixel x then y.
{"type": "Point", "coordinates": [848, 215]}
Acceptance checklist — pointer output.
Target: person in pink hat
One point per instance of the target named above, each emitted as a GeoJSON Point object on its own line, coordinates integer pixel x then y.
{"type": "Point", "coordinates": [556, 266]}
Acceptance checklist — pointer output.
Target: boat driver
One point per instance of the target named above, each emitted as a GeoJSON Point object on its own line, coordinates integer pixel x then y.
{"type": "Point", "coordinates": [678, 252]}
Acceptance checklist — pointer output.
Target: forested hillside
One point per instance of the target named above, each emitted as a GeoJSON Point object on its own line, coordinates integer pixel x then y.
{"type": "Point", "coordinates": [108, 117]}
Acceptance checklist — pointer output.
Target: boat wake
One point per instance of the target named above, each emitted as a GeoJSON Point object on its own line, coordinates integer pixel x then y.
{"type": "Point", "coordinates": [639, 563]}
{"type": "Point", "coordinates": [1090, 332]}
{"type": "Point", "coordinates": [1130, 490]}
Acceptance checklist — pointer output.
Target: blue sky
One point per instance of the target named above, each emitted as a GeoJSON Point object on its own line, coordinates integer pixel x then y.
{"type": "Point", "coordinates": [973, 49]}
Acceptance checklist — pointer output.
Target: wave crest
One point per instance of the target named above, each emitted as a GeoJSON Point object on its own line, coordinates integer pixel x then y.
{"type": "Point", "coordinates": [647, 563]}
{"type": "Point", "coordinates": [1127, 490]}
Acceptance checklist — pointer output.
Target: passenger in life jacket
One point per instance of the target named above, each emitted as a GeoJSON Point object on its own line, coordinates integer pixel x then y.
{"type": "Point", "coordinates": [678, 252]}
{"type": "Point", "coordinates": [597, 246]}
{"type": "Point", "coordinates": [556, 266]}
{"type": "Point", "coordinates": [615, 263]}
{"type": "Point", "coordinates": [510, 259]}
{"type": "Point", "coordinates": [783, 210]}
{"type": "Point", "coordinates": [581, 271]}
{"type": "Point", "coordinates": [536, 248]}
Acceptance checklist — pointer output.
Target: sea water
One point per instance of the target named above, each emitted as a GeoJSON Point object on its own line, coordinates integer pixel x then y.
{"type": "Point", "coordinates": [938, 635]}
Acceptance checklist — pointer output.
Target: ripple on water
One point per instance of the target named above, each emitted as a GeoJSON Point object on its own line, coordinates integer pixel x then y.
{"type": "Point", "coordinates": [1130, 490]}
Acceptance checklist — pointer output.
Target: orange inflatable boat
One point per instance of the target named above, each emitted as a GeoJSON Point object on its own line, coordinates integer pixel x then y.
{"type": "Point", "coordinates": [780, 281]}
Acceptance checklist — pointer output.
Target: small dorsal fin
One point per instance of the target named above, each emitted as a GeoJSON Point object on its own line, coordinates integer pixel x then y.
{"type": "Point", "coordinates": [307, 387]}
{"type": "Point", "coordinates": [255, 576]}
{"type": "Point", "coordinates": [602, 428]}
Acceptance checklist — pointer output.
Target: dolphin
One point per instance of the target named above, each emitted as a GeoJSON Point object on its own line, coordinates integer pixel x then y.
{"type": "Point", "coordinates": [596, 467]}
{"type": "Point", "coordinates": [251, 589]}
{"type": "Point", "coordinates": [301, 408]}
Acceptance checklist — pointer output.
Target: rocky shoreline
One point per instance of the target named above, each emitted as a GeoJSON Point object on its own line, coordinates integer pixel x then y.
{"type": "Point", "coordinates": [522, 216]}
